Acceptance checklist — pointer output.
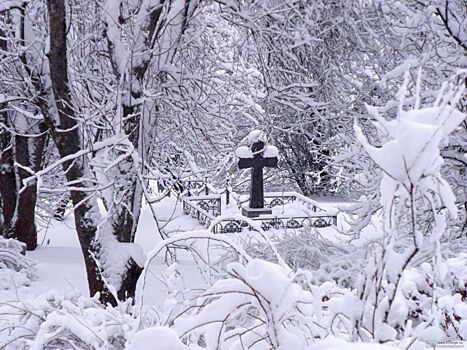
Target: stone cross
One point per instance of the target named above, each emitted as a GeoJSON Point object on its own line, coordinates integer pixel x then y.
{"type": "Point", "coordinates": [257, 157]}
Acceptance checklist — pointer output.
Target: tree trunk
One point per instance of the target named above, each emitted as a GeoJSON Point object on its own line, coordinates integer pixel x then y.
{"type": "Point", "coordinates": [7, 182]}
{"type": "Point", "coordinates": [7, 173]}
{"type": "Point", "coordinates": [67, 141]}
{"type": "Point", "coordinates": [24, 227]}
{"type": "Point", "coordinates": [19, 207]}
{"type": "Point", "coordinates": [126, 212]}
{"type": "Point", "coordinates": [128, 189]}
{"type": "Point", "coordinates": [127, 186]}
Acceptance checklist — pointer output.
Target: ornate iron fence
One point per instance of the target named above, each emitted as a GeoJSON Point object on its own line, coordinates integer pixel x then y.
{"type": "Point", "coordinates": [190, 208]}
{"type": "Point", "coordinates": [196, 187]}
{"type": "Point", "coordinates": [206, 208]}
{"type": "Point", "coordinates": [268, 222]}
{"type": "Point", "coordinates": [271, 201]}
{"type": "Point", "coordinates": [210, 204]}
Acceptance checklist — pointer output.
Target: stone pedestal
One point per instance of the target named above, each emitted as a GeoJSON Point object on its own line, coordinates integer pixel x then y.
{"type": "Point", "coordinates": [255, 212]}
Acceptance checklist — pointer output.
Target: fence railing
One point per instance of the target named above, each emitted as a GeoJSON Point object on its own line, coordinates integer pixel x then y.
{"type": "Point", "coordinates": [273, 199]}
{"type": "Point", "coordinates": [209, 203]}
{"type": "Point", "coordinates": [196, 212]}
{"type": "Point", "coordinates": [205, 208]}
{"type": "Point", "coordinates": [268, 222]}
{"type": "Point", "coordinates": [197, 187]}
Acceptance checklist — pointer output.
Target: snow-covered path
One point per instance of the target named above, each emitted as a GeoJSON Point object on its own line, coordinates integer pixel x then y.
{"type": "Point", "coordinates": [60, 264]}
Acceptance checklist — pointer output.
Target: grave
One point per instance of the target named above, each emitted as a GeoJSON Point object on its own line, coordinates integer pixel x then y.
{"type": "Point", "coordinates": [258, 156]}
{"type": "Point", "coordinates": [284, 210]}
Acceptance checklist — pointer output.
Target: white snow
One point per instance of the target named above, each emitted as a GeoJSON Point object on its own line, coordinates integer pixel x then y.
{"type": "Point", "coordinates": [161, 338]}
{"type": "Point", "coordinates": [164, 287]}
{"type": "Point", "coordinates": [8, 4]}
{"type": "Point", "coordinates": [257, 135]}
{"type": "Point", "coordinates": [244, 152]}
{"type": "Point", "coordinates": [333, 343]}
{"type": "Point", "coordinates": [270, 152]}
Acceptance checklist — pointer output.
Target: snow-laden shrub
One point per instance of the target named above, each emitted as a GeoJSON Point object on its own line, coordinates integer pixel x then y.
{"type": "Point", "coordinates": [422, 305]}
{"type": "Point", "coordinates": [306, 249]}
{"type": "Point", "coordinates": [420, 285]}
{"type": "Point", "coordinates": [58, 321]}
{"type": "Point", "coordinates": [15, 268]}
{"type": "Point", "coordinates": [259, 307]}
{"type": "Point", "coordinates": [408, 154]}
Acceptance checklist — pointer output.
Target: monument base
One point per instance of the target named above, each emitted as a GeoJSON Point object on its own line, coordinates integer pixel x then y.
{"type": "Point", "coordinates": [255, 212]}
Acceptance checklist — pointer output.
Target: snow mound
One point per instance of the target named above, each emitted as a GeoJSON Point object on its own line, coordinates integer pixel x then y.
{"type": "Point", "coordinates": [252, 309]}
{"type": "Point", "coordinates": [161, 338]}
{"type": "Point", "coordinates": [332, 343]}
{"type": "Point", "coordinates": [57, 321]}
{"type": "Point", "coordinates": [243, 152]}
{"type": "Point", "coordinates": [270, 152]}
{"type": "Point", "coordinates": [256, 135]}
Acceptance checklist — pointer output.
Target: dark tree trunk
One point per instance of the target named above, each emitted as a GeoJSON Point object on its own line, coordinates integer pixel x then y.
{"type": "Point", "coordinates": [125, 220]}
{"type": "Point", "coordinates": [7, 172]}
{"type": "Point", "coordinates": [128, 287]}
{"type": "Point", "coordinates": [19, 206]}
{"type": "Point", "coordinates": [7, 182]}
{"type": "Point", "coordinates": [128, 188]}
{"type": "Point", "coordinates": [302, 183]}
{"type": "Point", "coordinates": [24, 227]}
{"type": "Point", "coordinates": [68, 143]}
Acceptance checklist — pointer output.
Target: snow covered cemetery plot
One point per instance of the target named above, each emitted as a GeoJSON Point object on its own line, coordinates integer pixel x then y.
{"type": "Point", "coordinates": [229, 175]}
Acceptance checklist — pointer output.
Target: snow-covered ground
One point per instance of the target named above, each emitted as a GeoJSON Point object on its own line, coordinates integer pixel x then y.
{"type": "Point", "coordinates": [60, 266]}
{"type": "Point", "coordinates": [60, 263]}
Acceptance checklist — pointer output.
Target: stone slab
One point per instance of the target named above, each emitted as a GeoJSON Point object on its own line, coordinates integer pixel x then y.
{"type": "Point", "coordinates": [255, 212]}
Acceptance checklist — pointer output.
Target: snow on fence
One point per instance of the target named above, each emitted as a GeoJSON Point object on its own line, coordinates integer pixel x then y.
{"type": "Point", "coordinates": [272, 199]}
{"type": "Point", "coordinates": [191, 208]}
{"type": "Point", "coordinates": [210, 203]}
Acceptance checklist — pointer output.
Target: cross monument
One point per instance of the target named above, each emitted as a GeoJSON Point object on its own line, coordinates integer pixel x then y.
{"type": "Point", "coordinates": [256, 157]}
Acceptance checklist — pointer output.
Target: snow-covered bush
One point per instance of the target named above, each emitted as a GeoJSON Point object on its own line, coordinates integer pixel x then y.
{"type": "Point", "coordinates": [419, 287]}
{"type": "Point", "coordinates": [58, 321]}
{"type": "Point", "coordinates": [409, 157]}
{"type": "Point", "coordinates": [15, 268]}
{"type": "Point", "coordinates": [259, 307]}
{"type": "Point", "coordinates": [307, 249]}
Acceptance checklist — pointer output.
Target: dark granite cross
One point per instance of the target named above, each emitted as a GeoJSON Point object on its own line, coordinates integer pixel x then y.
{"type": "Point", "coordinates": [257, 163]}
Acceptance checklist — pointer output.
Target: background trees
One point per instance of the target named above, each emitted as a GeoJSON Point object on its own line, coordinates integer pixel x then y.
{"type": "Point", "coordinates": [23, 133]}
{"type": "Point", "coordinates": [321, 62]}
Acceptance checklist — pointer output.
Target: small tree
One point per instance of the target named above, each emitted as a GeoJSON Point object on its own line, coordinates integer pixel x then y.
{"type": "Point", "coordinates": [410, 161]}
